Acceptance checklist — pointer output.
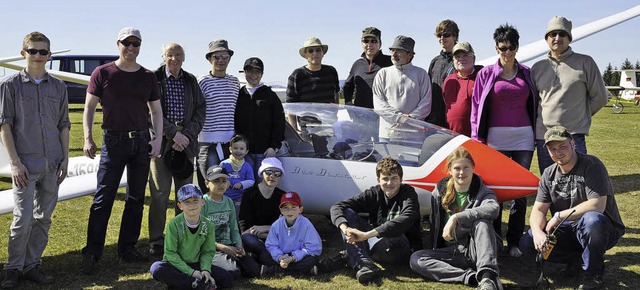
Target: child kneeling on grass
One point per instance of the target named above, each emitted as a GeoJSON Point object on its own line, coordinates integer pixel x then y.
{"type": "Point", "coordinates": [293, 242]}
{"type": "Point", "coordinates": [189, 246]}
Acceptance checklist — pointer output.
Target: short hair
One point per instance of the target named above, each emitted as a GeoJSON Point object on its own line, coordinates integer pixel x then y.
{"type": "Point", "coordinates": [35, 37]}
{"type": "Point", "coordinates": [448, 26]}
{"type": "Point", "coordinates": [172, 45]}
{"type": "Point", "coordinates": [239, 138]}
{"type": "Point", "coordinates": [388, 166]}
{"type": "Point", "coordinates": [506, 32]}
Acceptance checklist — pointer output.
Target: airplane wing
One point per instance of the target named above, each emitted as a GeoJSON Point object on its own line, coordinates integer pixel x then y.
{"type": "Point", "coordinates": [65, 76]}
{"type": "Point", "coordinates": [533, 50]}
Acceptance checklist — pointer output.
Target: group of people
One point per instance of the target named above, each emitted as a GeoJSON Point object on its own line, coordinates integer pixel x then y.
{"type": "Point", "coordinates": [156, 123]}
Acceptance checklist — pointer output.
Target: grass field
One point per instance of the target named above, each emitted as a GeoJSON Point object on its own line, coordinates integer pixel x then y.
{"type": "Point", "coordinates": [615, 138]}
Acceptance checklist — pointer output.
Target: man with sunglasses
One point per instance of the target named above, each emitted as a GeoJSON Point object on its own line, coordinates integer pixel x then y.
{"type": "Point", "coordinates": [440, 67]}
{"type": "Point", "coordinates": [357, 87]}
{"type": "Point", "coordinates": [130, 100]}
{"type": "Point", "coordinates": [570, 87]}
{"type": "Point", "coordinates": [34, 126]}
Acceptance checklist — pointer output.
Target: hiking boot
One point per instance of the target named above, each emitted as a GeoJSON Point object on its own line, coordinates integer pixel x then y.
{"type": "Point", "coordinates": [88, 265]}
{"type": "Point", "coordinates": [37, 275]}
{"type": "Point", "coordinates": [156, 250]}
{"type": "Point", "coordinates": [333, 263]}
{"type": "Point", "coordinates": [490, 284]}
{"type": "Point", "coordinates": [367, 271]}
{"type": "Point", "coordinates": [590, 282]}
{"type": "Point", "coordinates": [11, 278]}
{"type": "Point", "coordinates": [267, 270]}
{"type": "Point", "coordinates": [132, 255]}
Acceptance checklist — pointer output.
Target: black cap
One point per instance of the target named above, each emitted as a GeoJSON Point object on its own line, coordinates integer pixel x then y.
{"type": "Point", "coordinates": [253, 62]}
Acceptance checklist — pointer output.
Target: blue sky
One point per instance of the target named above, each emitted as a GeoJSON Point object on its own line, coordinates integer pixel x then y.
{"type": "Point", "coordinates": [275, 30]}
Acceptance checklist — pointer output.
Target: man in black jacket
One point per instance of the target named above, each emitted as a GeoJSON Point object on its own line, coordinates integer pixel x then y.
{"type": "Point", "coordinates": [392, 231]}
{"type": "Point", "coordinates": [183, 109]}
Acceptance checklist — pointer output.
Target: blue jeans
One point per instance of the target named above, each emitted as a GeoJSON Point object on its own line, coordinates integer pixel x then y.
{"type": "Point", "coordinates": [255, 160]}
{"type": "Point", "coordinates": [518, 212]}
{"type": "Point", "coordinates": [544, 160]}
{"type": "Point", "coordinates": [584, 240]}
{"type": "Point", "coordinates": [32, 209]}
{"type": "Point", "coordinates": [255, 245]}
{"type": "Point", "coordinates": [386, 250]}
{"type": "Point", "coordinates": [166, 273]}
{"type": "Point", "coordinates": [117, 153]}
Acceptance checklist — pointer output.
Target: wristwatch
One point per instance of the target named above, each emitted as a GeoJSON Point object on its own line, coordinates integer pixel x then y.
{"type": "Point", "coordinates": [557, 215]}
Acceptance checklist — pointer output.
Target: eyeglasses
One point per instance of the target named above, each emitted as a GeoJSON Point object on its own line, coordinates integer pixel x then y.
{"type": "Point", "coordinates": [33, 51]}
{"type": "Point", "coordinates": [445, 35]}
{"type": "Point", "coordinates": [557, 33]}
{"type": "Point", "coordinates": [221, 56]}
{"type": "Point", "coordinates": [372, 41]}
{"type": "Point", "coordinates": [127, 43]}
{"type": "Point", "coordinates": [276, 173]}
{"type": "Point", "coordinates": [505, 48]}
{"type": "Point", "coordinates": [312, 50]}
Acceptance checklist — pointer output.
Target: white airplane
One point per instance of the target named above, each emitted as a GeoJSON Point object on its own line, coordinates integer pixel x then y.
{"type": "Point", "coordinates": [627, 89]}
{"type": "Point", "coordinates": [420, 147]}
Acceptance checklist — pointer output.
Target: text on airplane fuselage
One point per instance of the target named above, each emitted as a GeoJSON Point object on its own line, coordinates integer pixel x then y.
{"type": "Point", "coordinates": [325, 173]}
{"type": "Point", "coordinates": [83, 168]}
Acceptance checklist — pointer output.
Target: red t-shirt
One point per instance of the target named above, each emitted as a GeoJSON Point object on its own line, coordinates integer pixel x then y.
{"type": "Point", "coordinates": [457, 91]}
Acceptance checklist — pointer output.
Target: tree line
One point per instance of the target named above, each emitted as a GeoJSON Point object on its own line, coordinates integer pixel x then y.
{"type": "Point", "coordinates": [612, 78]}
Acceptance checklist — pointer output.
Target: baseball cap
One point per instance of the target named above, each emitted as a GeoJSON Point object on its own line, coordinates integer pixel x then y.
{"type": "Point", "coordinates": [216, 171]}
{"type": "Point", "coordinates": [253, 62]}
{"type": "Point", "coordinates": [463, 46]}
{"type": "Point", "coordinates": [291, 197]}
{"type": "Point", "coordinates": [129, 31]}
{"type": "Point", "coordinates": [557, 133]}
{"type": "Point", "coordinates": [188, 191]}
{"type": "Point", "coordinates": [371, 32]}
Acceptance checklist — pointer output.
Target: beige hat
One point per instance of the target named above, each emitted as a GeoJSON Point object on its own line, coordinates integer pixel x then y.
{"type": "Point", "coordinates": [311, 42]}
{"type": "Point", "coordinates": [464, 46]}
{"type": "Point", "coordinates": [559, 23]}
{"type": "Point", "coordinates": [129, 31]}
{"type": "Point", "coordinates": [556, 133]}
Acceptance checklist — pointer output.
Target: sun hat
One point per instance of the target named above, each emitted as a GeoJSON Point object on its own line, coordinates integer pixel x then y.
{"type": "Point", "coordinates": [218, 45]}
{"type": "Point", "coordinates": [403, 42]}
{"type": "Point", "coordinates": [270, 162]}
{"type": "Point", "coordinates": [311, 42]}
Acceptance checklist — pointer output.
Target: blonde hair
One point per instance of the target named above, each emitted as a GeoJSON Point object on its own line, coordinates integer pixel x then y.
{"type": "Point", "coordinates": [450, 192]}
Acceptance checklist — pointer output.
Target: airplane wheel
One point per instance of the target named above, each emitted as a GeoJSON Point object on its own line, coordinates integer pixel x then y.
{"type": "Point", "coordinates": [618, 107]}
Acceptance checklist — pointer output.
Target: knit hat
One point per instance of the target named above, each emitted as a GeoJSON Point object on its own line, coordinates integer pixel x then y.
{"type": "Point", "coordinates": [291, 197]}
{"type": "Point", "coordinates": [403, 42]}
{"type": "Point", "coordinates": [216, 171]}
{"type": "Point", "coordinates": [371, 32]}
{"type": "Point", "coordinates": [557, 133]}
{"type": "Point", "coordinates": [218, 45]}
{"type": "Point", "coordinates": [559, 23]}
{"type": "Point", "coordinates": [270, 162]}
{"type": "Point", "coordinates": [188, 191]}
{"type": "Point", "coordinates": [311, 42]}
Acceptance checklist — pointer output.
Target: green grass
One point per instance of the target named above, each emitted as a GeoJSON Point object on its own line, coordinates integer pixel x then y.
{"type": "Point", "coordinates": [614, 139]}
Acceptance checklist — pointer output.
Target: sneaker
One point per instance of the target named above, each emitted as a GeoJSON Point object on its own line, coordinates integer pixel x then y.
{"type": "Point", "coordinates": [334, 263]}
{"type": "Point", "coordinates": [11, 279]}
{"type": "Point", "coordinates": [267, 270]}
{"type": "Point", "coordinates": [37, 275]}
{"type": "Point", "coordinates": [156, 250]}
{"type": "Point", "coordinates": [314, 271]}
{"type": "Point", "coordinates": [88, 265]}
{"type": "Point", "coordinates": [515, 252]}
{"type": "Point", "coordinates": [367, 271]}
{"type": "Point", "coordinates": [203, 286]}
{"type": "Point", "coordinates": [590, 282]}
{"type": "Point", "coordinates": [132, 255]}
{"type": "Point", "coordinates": [488, 284]}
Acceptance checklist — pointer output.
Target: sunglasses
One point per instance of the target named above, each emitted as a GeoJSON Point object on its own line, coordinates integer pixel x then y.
{"type": "Point", "coordinates": [445, 35]}
{"type": "Point", "coordinates": [221, 56]}
{"type": "Point", "coordinates": [372, 41]}
{"type": "Point", "coordinates": [505, 48]}
{"type": "Point", "coordinates": [557, 33]}
{"type": "Point", "coordinates": [134, 43]}
{"type": "Point", "coordinates": [312, 50]}
{"type": "Point", "coordinates": [276, 173]}
{"type": "Point", "coordinates": [33, 51]}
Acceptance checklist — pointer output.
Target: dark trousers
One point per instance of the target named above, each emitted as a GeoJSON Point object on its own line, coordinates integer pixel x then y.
{"type": "Point", "coordinates": [582, 241]}
{"type": "Point", "coordinates": [166, 273]}
{"type": "Point", "coordinates": [253, 244]}
{"type": "Point", "coordinates": [518, 212]}
{"type": "Point", "coordinates": [387, 250]}
{"type": "Point", "coordinates": [117, 153]}
{"type": "Point", "coordinates": [301, 267]}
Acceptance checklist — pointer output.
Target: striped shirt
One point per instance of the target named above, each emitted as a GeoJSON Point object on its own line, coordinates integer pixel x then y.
{"type": "Point", "coordinates": [220, 95]}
